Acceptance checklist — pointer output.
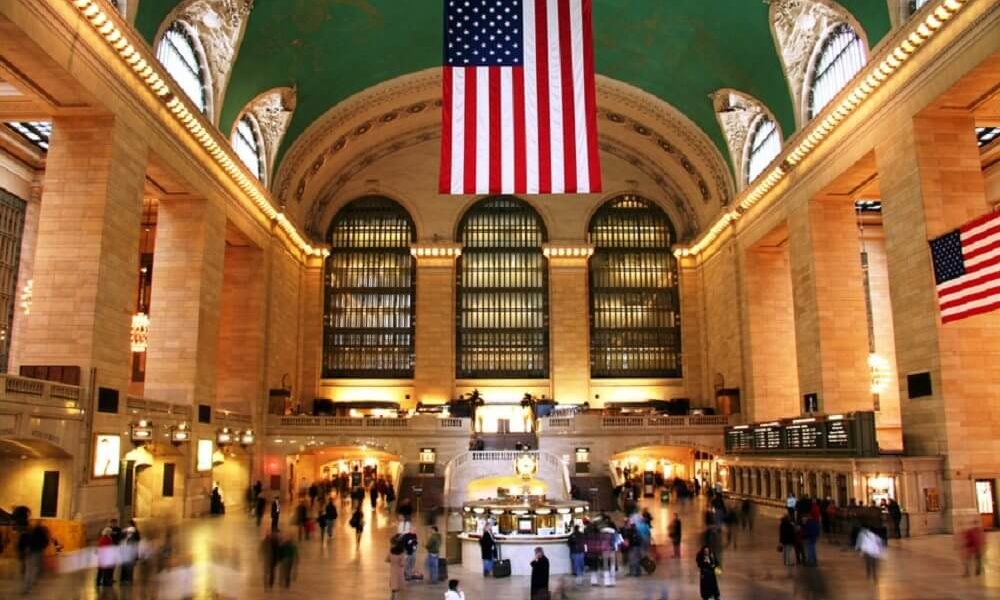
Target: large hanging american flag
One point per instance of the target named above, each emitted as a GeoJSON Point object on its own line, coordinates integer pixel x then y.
{"type": "Point", "coordinates": [520, 112]}
{"type": "Point", "coordinates": [967, 268]}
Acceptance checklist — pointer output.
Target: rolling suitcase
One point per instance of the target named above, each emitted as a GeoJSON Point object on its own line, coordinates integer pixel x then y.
{"type": "Point", "coordinates": [501, 566]}
{"type": "Point", "coordinates": [442, 568]}
{"type": "Point", "coordinates": [648, 564]}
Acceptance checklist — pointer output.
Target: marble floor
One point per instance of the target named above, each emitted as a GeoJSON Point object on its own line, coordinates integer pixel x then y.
{"type": "Point", "coordinates": [221, 555]}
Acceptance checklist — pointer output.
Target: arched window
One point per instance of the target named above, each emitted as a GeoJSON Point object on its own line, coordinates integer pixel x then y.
{"type": "Point", "coordinates": [635, 325]}
{"type": "Point", "coordinates": [178, 52]}
{"type": "Point", "coordinates": [764, 145]}
{"type": "Point", "coordinates": [916, 5]}
{"type": "Point", "coordinates": [370, 281]}
{"type": "Point", "coordinates": [119, 6]}
{"type": "Point", "coordinates": [503, 328]}
{"type": "Point", "coordinates": [841, 56]}
{"type": "Point", "coordinates": [247, 143]}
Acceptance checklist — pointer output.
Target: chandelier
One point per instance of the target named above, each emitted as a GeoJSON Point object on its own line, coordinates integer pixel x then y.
{"type": "Point", "coordinates": [139, 332]}
{"type": "Point", "coordinates": [26, 295]}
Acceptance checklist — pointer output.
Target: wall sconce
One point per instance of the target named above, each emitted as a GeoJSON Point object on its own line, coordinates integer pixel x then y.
{"type": "Point", "coordinates": [224, 437]}
{"type": "Point", "coordinates": [247, 438]}
{"type": "Point", "coordinates": [141, 432]}
{"type": "Point", "coordinates": [180, 434]}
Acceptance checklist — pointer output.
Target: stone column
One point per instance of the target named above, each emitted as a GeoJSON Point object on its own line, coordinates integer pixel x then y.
{"type": "Point", "coordinates": [186, 302]}
{"type": "Point", "coordinates": [25, 271]}
{"type": "Point", "coordinates": [87, 256]}
{"type": "Point", "coordinates": [692, 331]}
{"type": "Point", "coordinates": [830, 317]}
{"type": "Point", "coordinates": [569, 318]}
{"type": "Point", "coordinates": [434, 365]}
{"type": "Point", "coordinates": [313, 298]}
{"type": "Point", "coordinates": [240, 356]}
{"type": "Point", "coordinates": [931, 178]}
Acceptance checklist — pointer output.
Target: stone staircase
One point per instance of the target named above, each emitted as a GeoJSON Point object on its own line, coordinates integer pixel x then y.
{"type": "Point", "coordinates": [469, 466]}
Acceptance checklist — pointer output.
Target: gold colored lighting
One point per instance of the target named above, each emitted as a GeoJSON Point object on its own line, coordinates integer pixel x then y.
{"type": "Point", "coordinates": [877, 74]}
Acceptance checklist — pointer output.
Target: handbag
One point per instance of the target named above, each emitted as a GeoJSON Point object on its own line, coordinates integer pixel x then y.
{"type": "Point", "coordinates": [718, 571]}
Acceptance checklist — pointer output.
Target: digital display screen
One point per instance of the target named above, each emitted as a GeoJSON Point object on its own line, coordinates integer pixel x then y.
{"type": "Point", "coordinates": [837, 434]}
{"type": "Point", "coordinates": [808, 436]}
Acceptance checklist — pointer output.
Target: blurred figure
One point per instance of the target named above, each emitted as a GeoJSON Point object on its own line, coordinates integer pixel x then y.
{"type": "Point", "coordinates": [107, 559]}
{"type": "Point", "coordinates": [410, 545]}
{"type": "Point", "coordinates": [786, 539]}
{"type": "Point", "coordinates": [270, 556]}
{"type": "Point", "coordinates": [746, 515]}
{"type": "Point", "coordinates": [454, 592]}
{"type": "Point", "coordinates": [129, 552]}
{"type": "Point", "coordinates": [289, 558]}
{"type": "Point", "coordinates": [872, 549]}
{"type": "Point", "coordinates": [275, 513]}
{"type": "Point", "coordinates": [31, 548]}
{"type": "Point", "coordinates": [433, 546]}
{"type": "Point", "coordinates": [396, 566]}
{"type": "Point", "coordinates": [897, 516]}
{"type": "Point", "coordinates": [973, 543]}
{"type": "Point", "coordinates": [708, 563]}
{"type": "Point", "coordinates": [540, 576]}
{"type": "Point", "coordinates": [327, 519]}
{"type": "Point", "coordinates": [302, 519]}
{"type": "Point", "coordinates": [674, 533]}
{"type": "Point", "coordinates": [576, 551]}
{"type": "Point", "coordinates": [810, 535]}
{"type": "Point", "coordinates": [487, 549]}
{"type": "Point", "coordinates": [810, 584]}
{"type": "Point", "coordinates": [390, 495]}
{"type": "Point", "coordinates": [358, 523]}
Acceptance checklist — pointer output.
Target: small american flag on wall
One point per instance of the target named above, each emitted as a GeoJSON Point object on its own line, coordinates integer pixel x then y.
{"type": "Point", "coordinates": [967, 268]}
{"type": "Point", "coordinates": [520, 112]}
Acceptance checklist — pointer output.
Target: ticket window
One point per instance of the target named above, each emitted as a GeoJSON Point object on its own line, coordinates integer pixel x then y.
{"type": "Point", "coordinates": [582, 457]}
{"type": "Point", "coordinates": [428, 458]}
{"type": "Point", "coordinates": [986, 502]}
{"type": "Point", "coordinates": [880, 490]}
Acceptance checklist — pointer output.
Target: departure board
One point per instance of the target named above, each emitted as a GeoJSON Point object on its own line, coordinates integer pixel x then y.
{"type": "Point", "coordinates": [849, 434]}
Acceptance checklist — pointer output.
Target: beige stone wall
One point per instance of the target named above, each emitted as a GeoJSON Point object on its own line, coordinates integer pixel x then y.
{"type": "Point", "coordinates": [569, 329]}
{"type": "Point", "coordinates": [773, 390]}
{"type": "Point", "coordinates": [434, 368]}
{"type": "Point", "coordinates": [887, 419]}
{"type": "Point", "coordinates": [692, 333]}
{"type": "Point", "coordinates": [722, 290]}
{"type": "Point", "coordinates": [312, 327]}
{"type": "Point", "coordinates": [241, 352]}
{"type": "Point", "coordinates": [283, 334]}
{"type": "Point", "coordinates": [21, 483]}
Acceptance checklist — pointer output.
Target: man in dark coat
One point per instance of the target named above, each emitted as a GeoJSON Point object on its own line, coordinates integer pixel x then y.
{"type": "Point", "coordinates": [275, 513]}
{"type": "Point", "coordinates": [487, 549]}
{"type": "Point", "coordinates": [540, 576]}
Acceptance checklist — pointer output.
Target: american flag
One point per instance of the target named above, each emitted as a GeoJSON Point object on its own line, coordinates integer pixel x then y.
{"type": "Point", "coordinates": [520, 112]}
{"type": "Point", "coordinates": [967, 268]}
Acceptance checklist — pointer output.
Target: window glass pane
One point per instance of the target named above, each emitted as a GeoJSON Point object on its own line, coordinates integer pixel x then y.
{"type": "Point", "coordinates": [247, 145]}
{"type": "Point", "coordinates": [841, 57]}
{"type": "Point", "coordinates": [503, 329]}
{"type": "Point", "coordinates": [36, 132]}
{"type": "Point", "coordinates": [634, 304]}
{"type": "Point", "coordinates": [179, 57]}
{"type": "Point", "coordinates": [370, 282]}
{"type": "Point", "coordinates": [12, 211]}
{"type": "Point", "coordinates": [765, 144]}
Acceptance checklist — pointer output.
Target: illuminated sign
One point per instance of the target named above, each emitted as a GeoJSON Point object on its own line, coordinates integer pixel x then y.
{"type": "Point", "coordinates": [107, 455]}
{"type": "Point", "coordinates": [205, 451]}
{"type": "Point", "coordinates": [851, 434]}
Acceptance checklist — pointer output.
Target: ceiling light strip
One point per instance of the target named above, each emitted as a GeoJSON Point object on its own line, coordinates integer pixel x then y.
{"type": "Point", "coordinates": [870, 79]}
{"type": "Point", "coordinates": [148, 70]}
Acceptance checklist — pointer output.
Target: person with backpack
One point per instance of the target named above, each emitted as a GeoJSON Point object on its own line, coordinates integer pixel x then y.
{"type": "Point", "coordinates": [410, 546]}
{"type": "Point", "coordinates": [576, 552]}
{"type": "Point", "coordinates": [487, 549]}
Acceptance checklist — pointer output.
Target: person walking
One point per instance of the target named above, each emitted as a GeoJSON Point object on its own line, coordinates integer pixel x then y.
{"type": "Point", "coordinates": [270, 556]}
{"type": "Point", "coordinates": [289, 560]}
{"type": "Point", "coordinates": [410, 545]}
{"type": "Point", "coordinates": [746, 515]}
{"type": "Point", "coordinates": [259, 505]}
{"type": "Point", "coordinates": [302, 519]}
{"type": "Point", "coordinates": [897, 516]}
{"type": "Point", "coordinates": [973, 543]}
{"type": "Point", "coordinates": [454, 593]}
{"type": "Point", "coordinates": [31, 548]}
{"type": "Point", "coordinates": [872, 549]}
{"type": "Point", "coordinates": [786, 539]}
{"type": "Point", "coordinates": [396, 566]}
{"type": "Point", "coordinates": [390, 495]}
{"type": "Point", "coordinates": [708, 566]}
{"type": "Point", "coordinates": [576, 552]}
{"type": "Point", "coordinates": [487, 549]}
{"type": "Point", "coordinates": [810, 535]}
{"type": "Point", "coordinates": [107, 559]}
{"type": "Point", "coordinates": [674, 533]}
{"type": "Point", "coordinates": [433, 547]}
{"type": "Point", "coordinates": [358, 523]}
{"type": "Point", "coordinates": [129, 552]}
{"type": "Point", "coordinates": [330, 516]}
{"type": "Point", "coordinates": [373, 495]}
{"type": "Point", "coordinates": [275, 513]}
{"type": "Point", "coordinates": [540, 576]}
{"type": "Point", "coordinates": [790, 503]}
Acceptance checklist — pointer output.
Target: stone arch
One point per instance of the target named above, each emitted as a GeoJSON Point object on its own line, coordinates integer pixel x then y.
{"type": "Point", "coordinates": [474, 202]}
{"type": "Point", "coordinates": [272, 110]}
{"type": "Point", "coordinates": [738, 114]}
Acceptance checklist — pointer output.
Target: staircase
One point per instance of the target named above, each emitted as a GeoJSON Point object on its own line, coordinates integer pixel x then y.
{"type": "Point", "coordinates": [597, 490]}
{"type": "Point", "coordinates": [469, 466]}
{"type": "Point", "coordinates": [508, 441]}
{"type": "Point", "coordinates": [432, 495]}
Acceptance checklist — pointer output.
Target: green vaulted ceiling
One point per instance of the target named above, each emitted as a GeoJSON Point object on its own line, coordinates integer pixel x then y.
{"type": "Point", "coordinates": [678, 50]}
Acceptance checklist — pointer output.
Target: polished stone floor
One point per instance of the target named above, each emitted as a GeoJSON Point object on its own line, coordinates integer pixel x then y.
{"type": "Point", "coordinates": [222, 554]}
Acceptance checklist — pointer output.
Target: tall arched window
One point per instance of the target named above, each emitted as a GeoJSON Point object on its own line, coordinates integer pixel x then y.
{"type": "Point", "coordinates": [841, 56]}
{"type": "Point", "coordinates": [503, 328]}
{"type": "Point", "coordinates": [178, 52]}
{"type": "Point", "coordinates": [370, 281]}
{"type": "Point", "coordinates": [635, 325]}
{"type": "Point", "coordinates": [764, 145]}
{"type": "Point", "coordinates": [247, 143]}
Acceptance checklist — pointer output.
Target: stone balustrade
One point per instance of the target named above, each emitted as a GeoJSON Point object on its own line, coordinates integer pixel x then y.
{"type": "Point", "coordinates": [593, 422]}
{"type": "Point", "coordinates": [419, 423]}
{"type": "Point", "coordinates": [39, 392]}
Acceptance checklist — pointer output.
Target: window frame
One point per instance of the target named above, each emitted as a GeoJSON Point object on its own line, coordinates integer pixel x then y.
{"type": "Point", "coordinates": [190, 37]}
{"type": "Point", "coordinates": [603, 259]}
{"type": "Point", "coordinates": [817, 71]}
{"type": "Point", "coordinates": [753, 148]}
{"type": "Point", "coordinates": [372, 207]}
{"type": "Point", "coordinates": [255, 144]}
{"type": "Point", "coordinates": [522, 365]}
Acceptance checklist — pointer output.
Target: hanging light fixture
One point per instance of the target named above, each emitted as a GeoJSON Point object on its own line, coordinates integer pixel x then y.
{"type": "Point", "coordinates": [26, 295]}
{"type": "Point", "coordinates": [139, 332]}
{"type": "Point", "coordinates": [878, 366]}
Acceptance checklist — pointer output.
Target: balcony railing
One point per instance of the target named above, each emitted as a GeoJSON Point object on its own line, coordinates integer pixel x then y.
{"type": "Point", "coordinates": [39, 392]}
{"type": "Point", "coordinates": [596, 422]}
{"type": "Point", "coordinates": [422, 423]}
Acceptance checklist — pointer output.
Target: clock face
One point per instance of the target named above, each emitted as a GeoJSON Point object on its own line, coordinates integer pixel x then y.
{"type": "Point", "coordinates": [525, 465]}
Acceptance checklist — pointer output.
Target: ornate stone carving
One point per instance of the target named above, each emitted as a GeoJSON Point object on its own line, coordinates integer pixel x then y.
{"type": "Point", "coordinates": [273, 110]}
{"type": "Point", "coordinates": [219, 25]}
{"type": "Point", "coordinates": [798, 25]}
{"type": "Point", "coordinates": [736, 112]}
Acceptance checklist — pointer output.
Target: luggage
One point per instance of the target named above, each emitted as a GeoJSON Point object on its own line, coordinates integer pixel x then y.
{"type": "Point", "coordinates": [442, 568]}
{"type": "Point", "coordinates": [501, 566]}
{"type": "Point", "coordinates": [648, 564]}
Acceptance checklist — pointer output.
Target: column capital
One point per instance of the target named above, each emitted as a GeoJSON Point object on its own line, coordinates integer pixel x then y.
{"type": "Point", "coordinates": [435, 253]}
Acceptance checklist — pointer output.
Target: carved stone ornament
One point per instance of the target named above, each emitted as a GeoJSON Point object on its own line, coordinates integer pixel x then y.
{"type": "Point", "coordinates": [273, 110]}
{"type": "Point", "coordinates": [798, 25]}
{"type": "Point", "coordinates": [220, 25]}
{"type": "Point", "coordinates": [737, 113]}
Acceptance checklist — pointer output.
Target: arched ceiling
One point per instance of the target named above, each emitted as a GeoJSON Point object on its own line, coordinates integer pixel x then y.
{"type": "Point", "coordinates": [679, 51]}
